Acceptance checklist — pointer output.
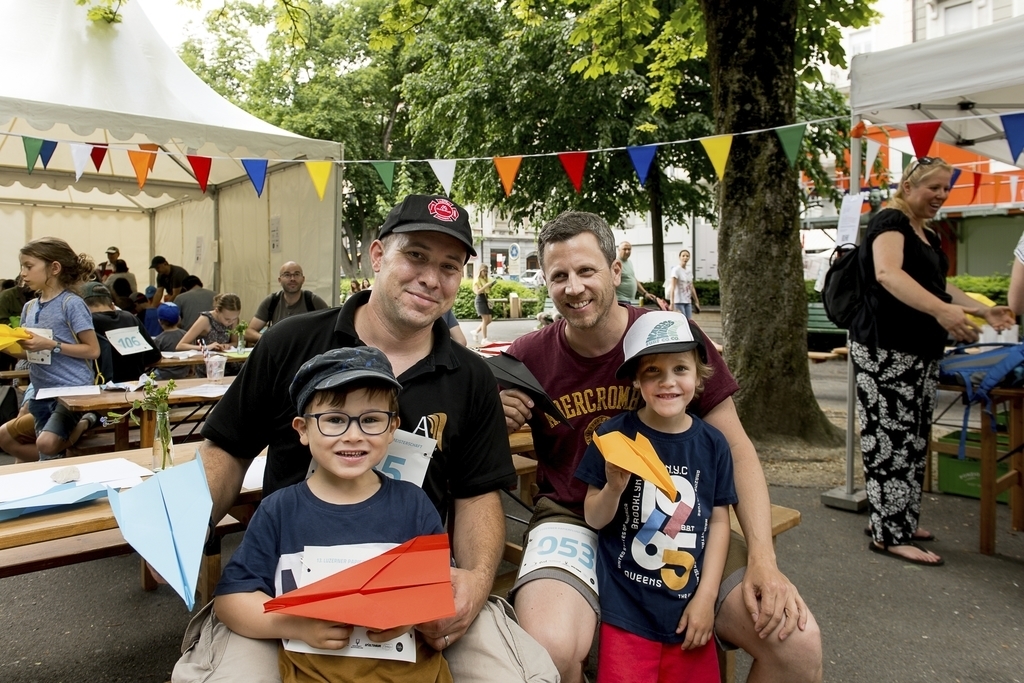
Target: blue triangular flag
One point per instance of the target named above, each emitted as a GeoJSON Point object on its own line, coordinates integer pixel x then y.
{"type": "Point", "coordinates": [257, 170]}
{"type": "Point", "coordinates": [952, 181]}
{"type": "Point", "coordinates": [46, 151]}
{"type": "Point", "coordinates": [642, 156]}
{"type": "Point", "coordinates": [1013, 126]}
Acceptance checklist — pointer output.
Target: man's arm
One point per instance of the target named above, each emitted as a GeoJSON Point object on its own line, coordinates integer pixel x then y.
{"type": "Point", "coordinates": [224, 475]}
{"type": "Point", "coordinates": [158, 296]}
{"type": "Point", "coordinates": [479, 541]}
{"type": "Point", "coordinates": [252, 332]}
{"type": "Point", "coordinates": [766, 590]}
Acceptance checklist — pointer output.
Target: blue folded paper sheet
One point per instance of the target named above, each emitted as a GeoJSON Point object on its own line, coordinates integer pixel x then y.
{"type": "Point", "coordinates": [165, 520]}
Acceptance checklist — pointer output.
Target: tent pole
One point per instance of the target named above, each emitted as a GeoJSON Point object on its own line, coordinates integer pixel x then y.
{"type": "Point", "coordinates": [152, 244]}
{"type": "Point", "coordinates": [846, 498]}
{"type": "Point", "coordinates": [339, 204]}
{"type": "Point", "coordinates": [216, 239]}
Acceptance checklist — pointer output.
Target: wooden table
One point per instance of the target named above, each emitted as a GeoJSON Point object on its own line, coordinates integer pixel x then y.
{"type": "Point", "coordinates": [13, 376]}
{"type": "Point", "coordinates": [120, 401]}
{"type": "Point", "coordinates": [989, 455]}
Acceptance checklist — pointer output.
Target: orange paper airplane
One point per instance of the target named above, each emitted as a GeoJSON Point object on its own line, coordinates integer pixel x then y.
{"type": "Point", "coordinates": [407, 585]}
{"type": "Point", "coordinates": [637, 457]}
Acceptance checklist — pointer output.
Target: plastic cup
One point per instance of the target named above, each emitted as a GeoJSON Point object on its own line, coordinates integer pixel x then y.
{"type": "Point", "coordinates": [215, 367]}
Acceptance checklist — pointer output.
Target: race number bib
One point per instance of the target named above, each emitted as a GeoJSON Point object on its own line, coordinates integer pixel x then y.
{"type": "Point", "coordinates": [128, 340]}
{"type": "Point", "coordinates": [565, 546]}
{"type": "Point", "coordinates": [39, 357]}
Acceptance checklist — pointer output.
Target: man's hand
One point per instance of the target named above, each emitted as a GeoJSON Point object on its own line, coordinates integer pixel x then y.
{"type": "Point", "coordinates": [469, 600]}
{"type": "Point", "coordinates": [772, 601]}
{"type": "Point", "coordinates": [518, 408]}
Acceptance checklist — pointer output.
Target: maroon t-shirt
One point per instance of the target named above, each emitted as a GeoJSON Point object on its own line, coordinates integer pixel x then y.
{"type": "Point", "coordinates": [588, 393]}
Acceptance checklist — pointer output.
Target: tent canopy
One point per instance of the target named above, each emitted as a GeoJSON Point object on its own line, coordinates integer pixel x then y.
{"type": "Point", "coordinates": [69, 80]}
{"type": "Point", "coordinates": [971, 76]}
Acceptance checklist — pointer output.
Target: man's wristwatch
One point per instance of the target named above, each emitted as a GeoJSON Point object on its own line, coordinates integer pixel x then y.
{"type": "Point", "coordinates": [56, 349]}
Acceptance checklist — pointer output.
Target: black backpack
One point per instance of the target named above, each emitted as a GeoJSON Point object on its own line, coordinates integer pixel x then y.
{"type": "Point", "coordinates": [843, 291]}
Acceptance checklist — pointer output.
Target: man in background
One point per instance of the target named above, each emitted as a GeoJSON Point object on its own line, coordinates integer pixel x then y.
{"type": "Point", "coordinates": [628, 285]}
{"type": "Point", "coordinates": [193, 300]}
{"type": "Point", "coordinates": [169, 279]}
{"type": "Point", "coordinates": [291, 300]}
{"type": "Point", "coordinates": [105, 269]}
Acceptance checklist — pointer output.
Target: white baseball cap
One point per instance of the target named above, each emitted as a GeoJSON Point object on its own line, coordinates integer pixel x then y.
{"type": "Point", "coordinates": [659, 332]}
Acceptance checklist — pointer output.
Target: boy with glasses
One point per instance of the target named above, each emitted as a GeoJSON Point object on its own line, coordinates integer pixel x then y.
{"type": "Point", "coordinates": [347, 403]}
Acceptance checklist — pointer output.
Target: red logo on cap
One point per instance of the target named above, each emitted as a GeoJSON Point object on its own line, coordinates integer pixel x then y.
{"type": "Point", "coordinates": [443, 210]}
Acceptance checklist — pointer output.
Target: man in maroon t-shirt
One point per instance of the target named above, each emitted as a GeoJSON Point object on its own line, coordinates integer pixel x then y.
{"type": "Point", "coordinates": [575, 360]}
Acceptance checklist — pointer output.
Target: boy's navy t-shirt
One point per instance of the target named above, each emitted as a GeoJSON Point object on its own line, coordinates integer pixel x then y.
{"type": "Point", "coordinates": [649, 557]}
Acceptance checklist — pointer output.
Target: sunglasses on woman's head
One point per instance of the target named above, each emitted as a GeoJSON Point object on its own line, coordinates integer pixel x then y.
{"type": "Point", "coordinates": [923, 161]}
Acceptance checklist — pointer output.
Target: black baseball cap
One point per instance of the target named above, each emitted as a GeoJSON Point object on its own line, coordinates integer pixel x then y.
{"type": "Point", "coordinates": [338, 367]}
{"type": "Point", "coordinates": [427, 212]}
{"type": "Point", "coordinates": [157, 261]}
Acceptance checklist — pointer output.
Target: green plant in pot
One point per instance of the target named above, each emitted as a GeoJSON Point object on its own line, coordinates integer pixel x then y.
{"type": "Point", "coordinates": [154, 398]}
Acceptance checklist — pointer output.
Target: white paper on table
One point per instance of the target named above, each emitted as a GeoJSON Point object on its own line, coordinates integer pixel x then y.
{"type": "Point", "coordinates": [254, 475]}
{"type": "Point", "coordinates": [849, 219]}
{"type": "Point", "coordinates": [319, 562]}
{"type": "Point", "coordinates": [116, 473]}
{"type": "Point", "coordinates": [39, 357]}
{"type": "Point", "coordinates": [54, 392]}
{"type": "Point", "coordinates": [180, 355]}
{"type": "Point", "coordinates": [203, 391]}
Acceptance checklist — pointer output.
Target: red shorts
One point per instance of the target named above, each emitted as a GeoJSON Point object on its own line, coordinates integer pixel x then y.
{"type": "Point", "coordinates": [627, 658]}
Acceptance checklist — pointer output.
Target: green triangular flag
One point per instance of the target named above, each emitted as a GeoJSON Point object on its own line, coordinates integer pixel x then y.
{"type": "Point", "coordinates": [790, 137]}
{"type": "Point", "coordinates": [386, 171]}
{"type": "Point", "coordinates": [32, 147]}
{"type": "Point", "coordinates": [907, 159]}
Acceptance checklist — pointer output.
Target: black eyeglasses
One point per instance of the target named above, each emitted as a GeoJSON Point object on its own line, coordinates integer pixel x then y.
{"type": "Point", "coordinates": [923, 161]}
{"type": "Point", "coordinates": [372, 422]}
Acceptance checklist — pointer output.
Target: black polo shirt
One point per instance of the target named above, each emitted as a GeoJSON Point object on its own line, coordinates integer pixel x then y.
{"type": "Point", "coordinates": [450, 395]}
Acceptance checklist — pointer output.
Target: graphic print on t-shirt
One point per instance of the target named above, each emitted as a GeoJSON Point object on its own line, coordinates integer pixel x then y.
{"type": "Point", "coordinates": [663, 541]}
{"type": "Point", "coordinates": [595, 400]}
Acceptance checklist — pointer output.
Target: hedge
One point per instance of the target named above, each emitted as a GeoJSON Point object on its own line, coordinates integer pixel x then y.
{"type": "Point", "coordinates": [464, 307]}
{"type": "Point", "coordinates": [707, 291]}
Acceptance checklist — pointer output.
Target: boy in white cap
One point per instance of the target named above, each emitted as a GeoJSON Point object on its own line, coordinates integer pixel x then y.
{"type": "Point", "coordinates": [660, 561]}
{"type": "Point", "coordinates": [347, 405]}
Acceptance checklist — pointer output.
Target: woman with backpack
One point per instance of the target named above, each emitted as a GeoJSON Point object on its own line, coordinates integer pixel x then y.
{"type": "Point", "coordinates": [896, 342]}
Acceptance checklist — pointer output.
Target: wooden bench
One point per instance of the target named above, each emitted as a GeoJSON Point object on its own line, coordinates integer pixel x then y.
{"type": "Point", "coordinates": [818, 322]}
{"type": "Point", "coordinates": [821, 356]}
{"type": "Point", "coordinates": [101, 439]}
{"type": "Point", "coordinates": [110, 543]}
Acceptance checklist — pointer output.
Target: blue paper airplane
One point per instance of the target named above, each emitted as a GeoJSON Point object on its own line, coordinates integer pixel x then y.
{"type": "Point", "coordinates": [62, 494]}
{"type": "Point", "coordinates": [165, 520]}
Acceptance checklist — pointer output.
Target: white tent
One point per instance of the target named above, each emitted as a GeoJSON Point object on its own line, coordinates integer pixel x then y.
{"type": "Point", "coordinates": [968, 76]}
{"type": "Point", "coordinates": [69, 80]}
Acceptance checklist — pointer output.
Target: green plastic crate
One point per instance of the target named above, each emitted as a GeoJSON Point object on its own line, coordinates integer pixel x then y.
{"type": "Point", "coordinates": [963, 477]}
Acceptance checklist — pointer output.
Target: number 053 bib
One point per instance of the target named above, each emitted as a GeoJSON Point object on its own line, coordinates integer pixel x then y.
{"type": "Point", "coordinates": [565, 546]}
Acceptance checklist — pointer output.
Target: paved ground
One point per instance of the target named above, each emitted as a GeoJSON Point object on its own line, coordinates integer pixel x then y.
{"type": "Point", "coordinates": [882, 620]}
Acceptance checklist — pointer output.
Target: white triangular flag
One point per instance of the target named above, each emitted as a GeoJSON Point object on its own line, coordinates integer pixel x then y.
{"type": "Point", "coordinates": [80, 156]}
{"type": "Point", "coordinates": [444, 169]}
{"type": "Point", "coordinates": [1013, 189]}
{"type": "Point", "coordinates": [873, 148]}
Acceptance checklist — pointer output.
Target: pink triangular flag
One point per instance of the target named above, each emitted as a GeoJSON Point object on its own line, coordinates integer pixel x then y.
{"type": "Point", "coordinates": [922, 133]}
{"type": "Point", "coordinates": [444, 169]}
{"type": "Point", "coordinates": [574, 163]}
{"type": "Point", "coordinates": [80, 157]}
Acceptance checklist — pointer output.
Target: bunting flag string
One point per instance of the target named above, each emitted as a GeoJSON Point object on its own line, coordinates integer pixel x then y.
{"type": "Point", "coordinates": [508, 168]}
{"type": "Point", "coordinates": [717, 147]}
{"type": "Point", "coordinates": [956, 174]}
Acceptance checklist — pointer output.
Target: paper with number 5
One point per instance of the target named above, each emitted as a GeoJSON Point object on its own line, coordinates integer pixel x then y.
{"type": "Point", "coordinates": [637, 457]}
{"type": "Point", "coordinates": [407, 585]}
{"type": "Point", "coordinates": [165, 520]}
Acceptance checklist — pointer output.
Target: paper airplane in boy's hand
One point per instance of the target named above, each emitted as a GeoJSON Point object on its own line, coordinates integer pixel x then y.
{"type": "Point", "coordinates": [512, 374]}
{"type": "Point", "coordinates": [637, 457]}
{"type": "Point", "coordinates": [165, 520]}
{"type": "Point", "coordinates": [407, 585]}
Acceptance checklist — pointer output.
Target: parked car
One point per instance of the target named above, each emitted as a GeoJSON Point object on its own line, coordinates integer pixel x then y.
{"type": "Point", "coordinates": [532, 278]}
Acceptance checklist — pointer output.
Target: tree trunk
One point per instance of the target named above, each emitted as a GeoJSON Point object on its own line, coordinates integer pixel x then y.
{"type": "Point", "coordinates": [657, 225]}
{"type": "Point", "coordinates": [764, 305]}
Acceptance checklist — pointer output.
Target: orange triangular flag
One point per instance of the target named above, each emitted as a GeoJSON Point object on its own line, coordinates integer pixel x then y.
{"type": "Point", "coordinates": [717, 148]}
{"type": "Point", "coordinates": [858, 130]}
{"type": "Point", "coordinates": [922, 133]}
{"type": "Point", "coordinates": [201, 167]}
{"type": "Point", "coordinates": [319, 172]}
{"type": "Point", "coordinates": [637, 457]}
{"type": "Point", "coordinates": [140, 162]}
{"type": "Point", "coordinates": [508, 168]}
{"type": "Point", "coordinates": [574, 163]}
{"type": "Point", "coordinates": [150, 147]}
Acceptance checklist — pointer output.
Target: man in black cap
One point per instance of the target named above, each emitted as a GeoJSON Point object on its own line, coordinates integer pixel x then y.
{"type": "Point", "coordinates": [447, 394]}
{"type": "Point", "coordinates": [168, 279]}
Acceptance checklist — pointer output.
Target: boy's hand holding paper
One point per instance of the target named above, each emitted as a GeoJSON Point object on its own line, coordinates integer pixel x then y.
{"type": "Point", "coordinates": [638, 457]}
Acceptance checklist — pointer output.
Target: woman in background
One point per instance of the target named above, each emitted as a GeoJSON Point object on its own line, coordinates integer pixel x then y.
{"type": "Point", "coordinates": [480, 288]}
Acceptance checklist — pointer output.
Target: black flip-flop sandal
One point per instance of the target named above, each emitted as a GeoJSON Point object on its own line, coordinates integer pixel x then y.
{"type": "Point", "coordinates": [917, 539]}
{"type": "Point", "coordinates": [885, 551]}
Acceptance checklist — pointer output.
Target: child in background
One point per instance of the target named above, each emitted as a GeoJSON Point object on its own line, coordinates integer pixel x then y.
{"type": "Point", "coordinates": [169, 315]}
{"type": "Point", "coordinates": [660, 562]}
{"type": "Point", "coordinates": [114, 365]}
{"type": "Point", "coordinates": [347, 403]}
{"type": "Point", "coordinates": [63, 343]}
